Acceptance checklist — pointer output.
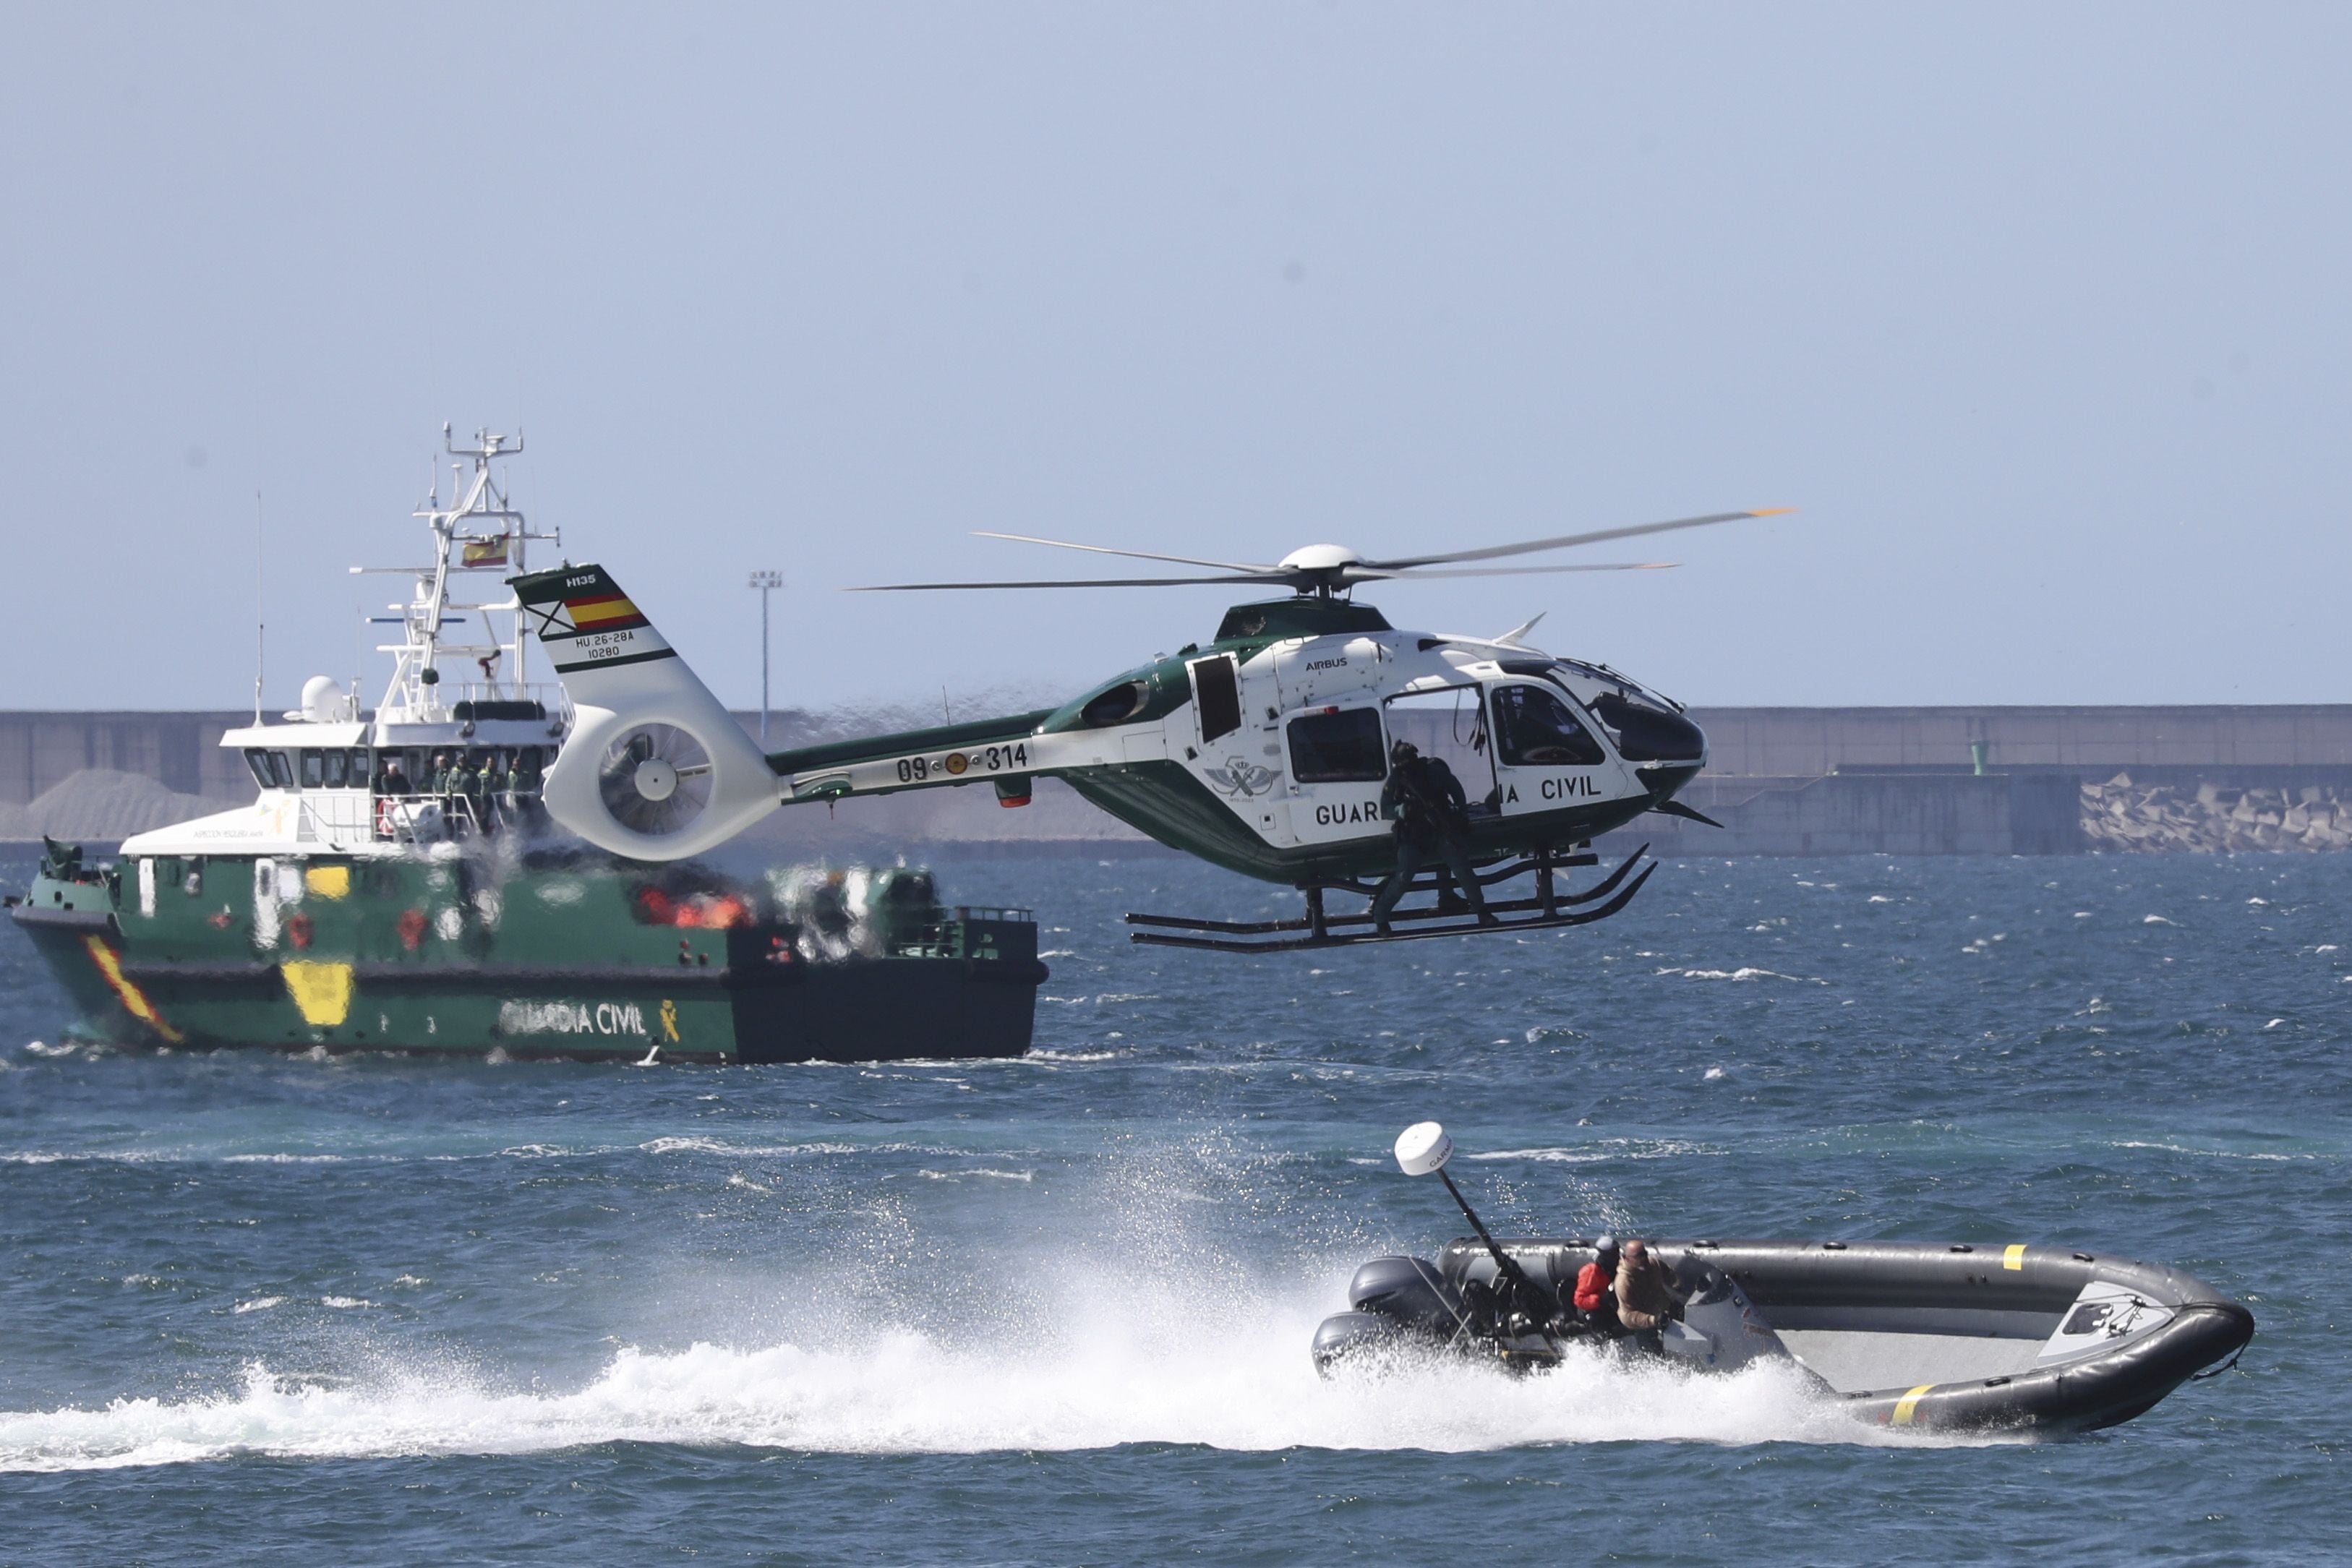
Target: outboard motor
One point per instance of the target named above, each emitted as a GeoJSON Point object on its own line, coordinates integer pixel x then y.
{"type": "Point", "coordinates": [1395, 1302]}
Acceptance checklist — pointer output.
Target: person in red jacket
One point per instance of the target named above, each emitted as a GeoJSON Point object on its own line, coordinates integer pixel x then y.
{"type": "Point", "coordinates": [1595, 1298]}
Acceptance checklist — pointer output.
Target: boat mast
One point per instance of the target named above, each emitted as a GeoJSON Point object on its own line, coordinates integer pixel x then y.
{"type": "Point", "coordinates": [480, 530]}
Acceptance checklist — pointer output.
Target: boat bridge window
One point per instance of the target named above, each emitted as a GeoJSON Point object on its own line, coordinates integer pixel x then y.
{"type": "Point", "coordinates": [1533, 729]}
{"type": "Point", "coordinates": [314, 768]}
{"type": "Point", "coordinates": [359, 767]}
{"type": "Point", "coordinates": [1338, 746]}
{"type": "Point", "coordinates": [339, 769]}
{"type": "Point", "coordinates": [271, 769]}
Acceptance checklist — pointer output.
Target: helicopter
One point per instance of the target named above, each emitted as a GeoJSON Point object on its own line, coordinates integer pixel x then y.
{"type": "Point", "coordinates": [1264, 750]}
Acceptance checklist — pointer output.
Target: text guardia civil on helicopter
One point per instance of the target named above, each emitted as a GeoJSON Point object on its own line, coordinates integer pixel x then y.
{"type": "Point", "coordinates": [1264, 749]}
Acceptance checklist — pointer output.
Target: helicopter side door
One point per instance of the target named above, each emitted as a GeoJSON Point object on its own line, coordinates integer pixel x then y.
{"type": "Point", "coordinates": [1339, 757]}
{"type": "Point", "coordinates": [1547, 755]}
{"type": "Point", "coordinates": [1449, 725]}
{"type": "Point", "coordinates": [1235, 747]}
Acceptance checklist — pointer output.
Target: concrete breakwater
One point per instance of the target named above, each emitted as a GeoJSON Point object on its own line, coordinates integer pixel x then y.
{"type": "Point", "coordinates": [2212, 819]}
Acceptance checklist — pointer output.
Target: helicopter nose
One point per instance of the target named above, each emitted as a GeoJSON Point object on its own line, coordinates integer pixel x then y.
{"type": "Point", "coordinates": [1648, 734]}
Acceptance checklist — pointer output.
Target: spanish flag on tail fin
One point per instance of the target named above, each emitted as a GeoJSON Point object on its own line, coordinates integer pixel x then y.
{"type": "Point", "coordinates": [584, 620]}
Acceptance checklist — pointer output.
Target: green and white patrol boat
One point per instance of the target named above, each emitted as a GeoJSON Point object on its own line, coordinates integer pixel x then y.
{"type": "Point", "coordinates": [396, 886]}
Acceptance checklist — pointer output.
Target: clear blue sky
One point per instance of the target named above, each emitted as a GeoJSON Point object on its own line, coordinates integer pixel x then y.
{"type": "Point", "coordinates": [2043, 315]}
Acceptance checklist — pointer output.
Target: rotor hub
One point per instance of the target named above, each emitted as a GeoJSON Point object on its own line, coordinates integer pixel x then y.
{"type": "Point", "coordinates": [1320, 558]}
{"type": "Point", "coordinates": [655, 779]}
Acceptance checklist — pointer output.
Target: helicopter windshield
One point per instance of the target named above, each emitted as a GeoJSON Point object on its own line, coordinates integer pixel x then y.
{"type": "Point", "coordinates": [1645, 727]}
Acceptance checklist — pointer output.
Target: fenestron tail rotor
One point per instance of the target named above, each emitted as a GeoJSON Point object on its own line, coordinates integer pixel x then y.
{"type": "Point", "coordinates": [1327, 568]}
{"type": "Point", "coordinates": [654, 778]}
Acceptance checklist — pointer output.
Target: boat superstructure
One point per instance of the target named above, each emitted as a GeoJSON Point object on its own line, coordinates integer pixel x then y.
{"type": "Point", "coordinates": [334, 776]}
{"type": "Point", "coordinates": [397, 885]}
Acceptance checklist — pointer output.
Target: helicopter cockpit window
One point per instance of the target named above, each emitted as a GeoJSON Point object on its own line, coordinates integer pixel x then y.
{"type": "Point", "coordinates": [1339, 747]}
{"type": "Point", "coordinates": [1533, 728]}
{"type": "Point", "coordinates": [1117, 705]}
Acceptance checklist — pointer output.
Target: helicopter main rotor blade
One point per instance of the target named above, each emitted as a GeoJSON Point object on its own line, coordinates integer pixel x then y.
{"type": "Point", "coordinates": [1366, 575]}
{"type": "Point", "coordinates": [1569, 541]}
{"type": "Point", "coordinates": [1130, 554]}
{"type": "Point", "coordinates": [1061, 582]}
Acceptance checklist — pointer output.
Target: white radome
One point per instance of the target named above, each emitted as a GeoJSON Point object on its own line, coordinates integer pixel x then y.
{"type": "Point", "coordinates": [1422, 1148]}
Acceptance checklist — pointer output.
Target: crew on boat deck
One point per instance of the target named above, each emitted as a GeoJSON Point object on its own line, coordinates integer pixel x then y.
{"type": "Point", "coordinates": [1595, 1296]}
{"type": "Point", "coordinates": [476, 789]}
{"type": "Point", "coordinates": [393, 779]}
{"type": "Point", "coordinates": [1646, 1299]}
{"type": "Point", "coordinates": [1433, 822]}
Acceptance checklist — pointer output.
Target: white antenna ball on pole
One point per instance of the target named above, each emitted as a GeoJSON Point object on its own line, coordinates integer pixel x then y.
{"type": "Point", "coordinates": [1422, 1148]}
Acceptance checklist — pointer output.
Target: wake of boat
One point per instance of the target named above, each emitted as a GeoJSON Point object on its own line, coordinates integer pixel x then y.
{"type": "Point", "coordinates": [1103, 1383]}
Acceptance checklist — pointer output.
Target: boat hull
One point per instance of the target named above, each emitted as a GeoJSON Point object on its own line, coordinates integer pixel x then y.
{"type": "Point", "coordinates": [1941, 1337]}
{"type": "Point", "coordinates": [566, 967]}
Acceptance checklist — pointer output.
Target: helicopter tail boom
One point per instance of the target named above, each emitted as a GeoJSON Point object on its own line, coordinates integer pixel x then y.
{"type": "Point", "coordinates": [654, 767]}
{"type": "Point", "coordinates": [1009, 752]}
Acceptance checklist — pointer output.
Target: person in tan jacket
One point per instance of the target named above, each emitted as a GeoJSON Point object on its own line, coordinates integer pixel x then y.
{"type": "Point", "coordinates": [1646, 1297]}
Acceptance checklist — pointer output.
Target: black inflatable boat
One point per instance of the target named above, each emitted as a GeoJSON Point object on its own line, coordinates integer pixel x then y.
{"type": "Point", "coordinates": [1907, 1333]}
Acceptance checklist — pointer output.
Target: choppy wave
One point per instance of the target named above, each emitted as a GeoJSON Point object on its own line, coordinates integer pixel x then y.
{"type": "Point", "coordinates": [1600, 1151]}
{"type": "Point", "coordinates": [1743, 973]}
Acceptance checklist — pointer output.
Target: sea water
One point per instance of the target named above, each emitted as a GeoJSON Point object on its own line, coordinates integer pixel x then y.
{"type": "Point", "coordinates": [373, 1309]}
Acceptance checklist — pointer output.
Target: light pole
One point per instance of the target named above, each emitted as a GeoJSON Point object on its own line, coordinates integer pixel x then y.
{"type": "Point", "coordinates": [766, 583]}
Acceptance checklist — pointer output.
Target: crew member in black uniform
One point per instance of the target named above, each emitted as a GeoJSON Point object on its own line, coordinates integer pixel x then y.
{"type": "Point", "coordinates": [1433, 822]}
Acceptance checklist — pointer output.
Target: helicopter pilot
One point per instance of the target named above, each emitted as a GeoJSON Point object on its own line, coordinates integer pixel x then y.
{"type": "Point", "coordinates": [1433, 822]}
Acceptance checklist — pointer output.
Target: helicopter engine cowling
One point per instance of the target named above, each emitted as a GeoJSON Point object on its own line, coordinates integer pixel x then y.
{"type": "Point", "coordinates": [654, 768]}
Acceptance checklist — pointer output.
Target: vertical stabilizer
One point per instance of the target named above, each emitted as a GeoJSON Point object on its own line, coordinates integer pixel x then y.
{"type": "Point", "coordinates": [656, 769]}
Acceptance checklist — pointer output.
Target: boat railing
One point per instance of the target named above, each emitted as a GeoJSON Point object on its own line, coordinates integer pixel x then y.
{"type": "Point", "coordinates": [337, 819]}
{"type": "Point", "coordinates": [442, 701]}
{"type": "Point", "coordinates": [432, 818]}
{"type": "Point", "coordinates": [950, 937]}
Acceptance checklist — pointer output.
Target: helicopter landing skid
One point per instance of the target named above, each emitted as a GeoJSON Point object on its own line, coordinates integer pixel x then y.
{"type": "Point", "coordinates": [1450, 915]}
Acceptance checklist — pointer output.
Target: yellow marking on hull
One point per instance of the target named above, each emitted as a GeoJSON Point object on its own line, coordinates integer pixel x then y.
{"type": "Point", "coordinates": [323, 991]}
{"type": "Point", "coordinates": [135, 1000]}
{"type": "Point", "coordinates": [669, 1019]}
{"type": "Point", "coordinates": [328, 880]}
{"type": "Point", "coordinates": [1908, 1406]}
{"type": "Point", "coordinates": [2012, 1257]}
